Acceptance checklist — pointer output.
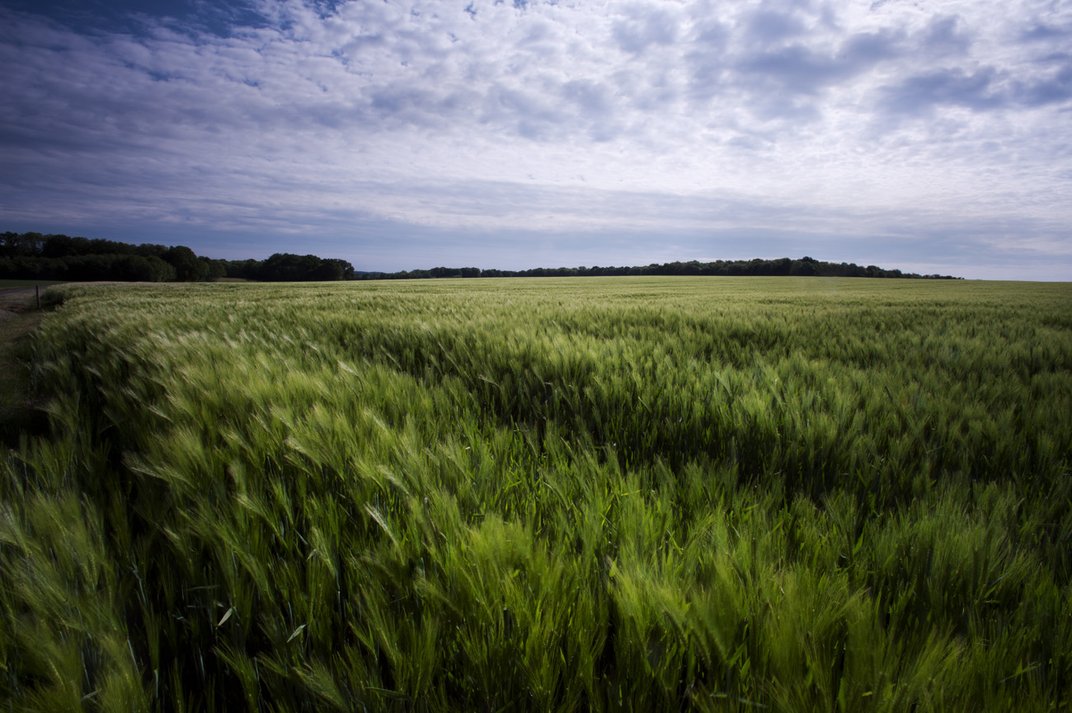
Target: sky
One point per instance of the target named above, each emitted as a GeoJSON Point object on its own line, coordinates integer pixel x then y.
{"type": "Point", "coordinates": [930, 136]}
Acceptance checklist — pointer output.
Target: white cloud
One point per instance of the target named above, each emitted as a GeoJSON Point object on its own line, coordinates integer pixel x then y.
{"type": "Point", "coordinates": [580, 116]}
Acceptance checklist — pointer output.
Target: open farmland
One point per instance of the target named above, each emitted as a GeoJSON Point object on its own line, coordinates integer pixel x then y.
{"type": "Point", "coordinates": [588, 494]}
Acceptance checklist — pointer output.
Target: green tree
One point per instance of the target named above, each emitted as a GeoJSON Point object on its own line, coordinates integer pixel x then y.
{"type": "Point", "coordinates": [187, 267]}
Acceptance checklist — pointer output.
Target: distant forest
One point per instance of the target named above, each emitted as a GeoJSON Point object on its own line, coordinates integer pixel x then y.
{"type": "Point", "coordinates": [718, 268]}
{"type": "Point", "coordinates": [30, 256]}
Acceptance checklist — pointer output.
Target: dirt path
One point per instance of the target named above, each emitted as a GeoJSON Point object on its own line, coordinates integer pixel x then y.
{"type": "Point", "coordinates": [16, 300]}
{"type": "Point", "coordinates": [18, 317]}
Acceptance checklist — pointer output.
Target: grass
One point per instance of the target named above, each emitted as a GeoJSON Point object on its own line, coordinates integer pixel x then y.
{"type": "Point", "coordinates": [606, 494]}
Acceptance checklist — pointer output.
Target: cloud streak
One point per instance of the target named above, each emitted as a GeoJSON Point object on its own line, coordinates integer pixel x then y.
{"type": "Point", "coordinates": [655, 119]}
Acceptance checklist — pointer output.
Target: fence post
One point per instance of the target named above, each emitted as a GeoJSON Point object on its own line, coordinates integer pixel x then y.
{"type": "Point", "coordinates": [37, 293]}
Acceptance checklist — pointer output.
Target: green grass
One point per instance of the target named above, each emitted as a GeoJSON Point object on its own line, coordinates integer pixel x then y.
{"type": "Point", "coordinates": [605, 494]}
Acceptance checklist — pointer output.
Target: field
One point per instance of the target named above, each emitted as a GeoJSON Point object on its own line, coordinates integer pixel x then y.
{"type": "Point", "coordinates": [592, 494]}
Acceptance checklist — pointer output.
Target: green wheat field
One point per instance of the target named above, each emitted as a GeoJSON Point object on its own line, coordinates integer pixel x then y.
{"type": "Point", "coordinates": [710, 494]}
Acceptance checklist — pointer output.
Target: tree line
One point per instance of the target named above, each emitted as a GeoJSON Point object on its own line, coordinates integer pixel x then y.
{"type": "Point", "coordinates": [63, 257]}
{"type": "Point", "coordinates": [718, 268]}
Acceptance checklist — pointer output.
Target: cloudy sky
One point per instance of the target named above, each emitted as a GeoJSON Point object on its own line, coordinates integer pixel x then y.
{"type": "Point", "coordinates": [928, 135]}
